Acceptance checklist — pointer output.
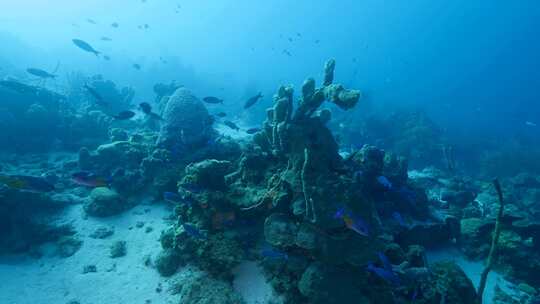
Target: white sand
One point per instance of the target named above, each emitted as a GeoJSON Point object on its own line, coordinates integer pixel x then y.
{"type": "Point", "coordinates": [473, 270]}
{"type": "Point", "coordinates": [249, 282]}
{"type": "Point", "coordinates": [55, 280]}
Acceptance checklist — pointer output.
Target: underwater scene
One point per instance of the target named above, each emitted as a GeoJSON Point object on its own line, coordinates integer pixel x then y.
{"type": "Point", "coordinates": [269, 152]}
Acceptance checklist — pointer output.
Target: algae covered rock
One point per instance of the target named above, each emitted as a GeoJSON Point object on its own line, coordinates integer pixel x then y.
{"type": "Point", "coordinates": [186, 122]}
{"type": "Point", "coordinates": [120, 153]}
{"type": "Point", "coordinates": [167, 262]}
{"type": "Point", "coordinates": [104, 202]}
{"type": "Point", "coordinates": [209, 173]}
{"type": "Point", "coordinates": [197, 287]}
{"type": "Point", "coordinates": [451, 285]}
{"type": "Point", "coordinates": [280, 230]}
{"type": "Point", "coordinates": [324, 284]}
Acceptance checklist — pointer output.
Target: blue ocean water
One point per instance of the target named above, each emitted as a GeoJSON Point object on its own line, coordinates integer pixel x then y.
{"type": "Point", "coordinates": [107, 107]}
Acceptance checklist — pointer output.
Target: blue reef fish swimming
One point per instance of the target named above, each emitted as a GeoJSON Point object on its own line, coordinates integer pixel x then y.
{"type": "Point", "coordinates": [193, 231]}
{"type": "Point", "coordinates": [385, 274]}
{"type": "Point", "coordinates": [383, 181]}
{"type": "Point", "coordinates": [397, 216]}
{"type": "Point", "coordinates": [272, 253]}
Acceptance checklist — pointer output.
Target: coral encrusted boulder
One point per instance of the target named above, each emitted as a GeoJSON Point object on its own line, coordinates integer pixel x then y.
{"type": "Point", "coordinates": [104, 202]}
{"type": "Point", "coordinates": [186, 122]}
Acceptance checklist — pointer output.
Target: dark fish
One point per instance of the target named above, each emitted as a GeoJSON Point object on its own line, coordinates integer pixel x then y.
{"type": "Point", "coordinates": [384, 182]}
{"type": "Point", "coordinates": [99, 100]}
{"type": "Point", "coordinates": [221, 114]}
{"type": "Point", "coordinates": [407, 194]}
{"type": "Point", "coordinates": [146, 26]}
{"type": "Point", "coordinates": [223, 219]}
{"type": "Point", "coordinates": [145, 107]}
{"type": "Point", "coordinates": [83, 45]}
{"type": "Point", "coordinates": [317, 41]}
{"type": "Point", "coordinates": [115, 25]}
{"type": "Point", "coordinates": [89, 179]}
{"type": "Point", "coordinates": [193, 231]}
{"type": "Point", "coordinates": [91, 21]}
{"type": "Point", "coordinates": [387, 275]}
{"type": "Point", "coordinates": [286, 52]}
{"type": "Point", "coordinates": [124, 115]}
{"type": "Point", "coordinates": [252, 130]}
{"type": "Point", "coordinates": [27, 182]}
{"type": "Point", "coordinates": [105, 38]}
{"type": "Point", "coordinates": [273, 253]}
{"type": "Point", "coordinates": [15, 85]}
{"type": "Point", "coordinates": [40, 73]}
{"type": "Point", "coordinates": [106, 57]}
{"type": "Point", "coordinates": [137, 66]}
{"type": "Point", "coordinates": [397, 216]}
{"type": "Point", "coordinates": [211, 99]}
{"type": "Point", "coordinates": [252, 100]}
{"type": "Point", "coordinates": [231, 125]}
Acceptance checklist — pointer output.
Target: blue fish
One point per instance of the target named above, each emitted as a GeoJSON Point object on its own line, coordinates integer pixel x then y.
{"type": "Point", "coordinates": [387, 275]}
{"type": "Point", "coordinates": [397, 216]}
{"type": "Point", "coordinates": [273, 253]}
{"type": "Point", "coordinates": [357, 174]}
{"type": "Point", "coordinates": [340, 213]}
{"type": "Point", "coordinates": [194, 231]}
{"type": "Point", "coordinates": [385, 261]}
{"type": "Point", "coordinates": [384, 182]}
{"type": "Point", "coordinates": [407, 194]}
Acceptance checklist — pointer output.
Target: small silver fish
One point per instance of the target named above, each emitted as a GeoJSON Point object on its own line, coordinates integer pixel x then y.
{"type": "Point", "coordinates": [85, 46]}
